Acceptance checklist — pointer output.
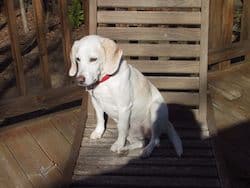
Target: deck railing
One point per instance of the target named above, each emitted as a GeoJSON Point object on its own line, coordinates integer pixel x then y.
{"type": "Point", "coordinates": [222, 49]}
{"type": "Point", "coordinates": [26, 101]}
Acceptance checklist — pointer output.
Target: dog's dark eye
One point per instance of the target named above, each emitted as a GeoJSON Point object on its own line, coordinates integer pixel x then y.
{"type": "Point", "coordinates": [77, 59]}
{"type": "Point", "coordinates": [92, 59]}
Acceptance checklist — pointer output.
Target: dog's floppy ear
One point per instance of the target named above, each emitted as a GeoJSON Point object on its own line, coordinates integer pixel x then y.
{"type": "Point", "coordinates": [73, 67]}
{"type": "Point", "coordinates": [113, 56]}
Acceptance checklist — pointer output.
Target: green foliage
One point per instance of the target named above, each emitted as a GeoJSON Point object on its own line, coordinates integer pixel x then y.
{"type": "Point", "coordinates": [75, 13]}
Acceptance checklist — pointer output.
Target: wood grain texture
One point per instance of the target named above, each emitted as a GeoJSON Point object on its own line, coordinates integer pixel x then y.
{"type": "Point", "coordinates": [148, 17]}
{"type": "Point", "coordinates": [204, 62]}
{"type": "Point", "coordinates": [52, 142]}
{"type": "Point", "coordinates": [92, 16]}
{"type": "Point", "coordinates": [35, 153]}
{"type": "Point", "coordinates": [151, 4]}
{"type": "Point", "coordinates": [167, 66]}
{"type": "Point", "coordinates": [175, 83]}
{"type": "Point", "coordinates": [15, 48]}
{"type": "Point", "coordinates": [11, 174]}
{"type": "Point", "coordinates": [66, 32]}
{"type": "Point", "coordinates": [41, 40]}
{"type": "Point", "coordinates": [39, 169]}
{"type": "Point", "coordinates": [172, 50]}
{"type": "Point", "coordinates": [152, 33]}
{"type": "Point", "coordinates": [44, 100]}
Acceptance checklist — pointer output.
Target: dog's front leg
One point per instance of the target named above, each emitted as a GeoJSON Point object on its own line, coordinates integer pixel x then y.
{"type": "Point", "coordinates": [123, 126]}
{"type": "Point", "coordinates": [100, 127]}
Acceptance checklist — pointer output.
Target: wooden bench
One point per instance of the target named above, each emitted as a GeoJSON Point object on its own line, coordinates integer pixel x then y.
{"type": "Point", "coordinates": [167, 40]}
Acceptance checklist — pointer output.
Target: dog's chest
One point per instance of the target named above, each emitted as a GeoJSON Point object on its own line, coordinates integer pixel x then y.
{"type": "Point", "coordinates": [106, 101]}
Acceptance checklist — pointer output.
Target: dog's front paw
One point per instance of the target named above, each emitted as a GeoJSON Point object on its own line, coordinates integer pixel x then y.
{"type": "Point", "coordinates": [117, 147]}
{"type": "Point", "coordinates": [96, 134]}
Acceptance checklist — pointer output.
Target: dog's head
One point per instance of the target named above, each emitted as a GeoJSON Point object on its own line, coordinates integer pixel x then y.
{"type": "Point", "coordinates": [92, 57]}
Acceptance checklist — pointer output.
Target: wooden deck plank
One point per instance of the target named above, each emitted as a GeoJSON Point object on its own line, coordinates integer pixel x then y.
{"type": "Point", "coordinates": [139, 181]}
{"type": "Point", "coordinates": [52, 142]}
{"type": "Point", "coordinates": [153, 161]}
{"type": "Point", "coordinates": [146, 170]}
{"type": "Point", "coordinates": [152, 3]}
{"type": "Point", "coordinates": [11, 174]}
{"type": "Point", "coordinates": [39, 169]}
{"type": "Point", "coordinates": [66, 123]}
{"type": "Point", "coordinates": [231, 104]}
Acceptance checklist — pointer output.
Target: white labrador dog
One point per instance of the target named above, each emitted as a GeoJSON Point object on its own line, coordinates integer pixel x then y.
{"type": "Point", "coordinates": [123, 93]}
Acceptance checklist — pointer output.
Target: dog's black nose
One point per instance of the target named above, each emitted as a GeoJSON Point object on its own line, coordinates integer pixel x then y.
{"type": "Point", "coordinates": [80, 79]}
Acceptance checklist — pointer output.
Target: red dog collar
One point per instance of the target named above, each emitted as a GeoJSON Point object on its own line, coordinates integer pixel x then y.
{"type": "Point", "coordinates": [106, 77]}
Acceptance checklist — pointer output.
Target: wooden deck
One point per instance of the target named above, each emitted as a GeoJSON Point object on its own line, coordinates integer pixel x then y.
{"type": "Point", "coordinates": [37, 153]}
{"type": "Point", "coordinates": [231, 103]}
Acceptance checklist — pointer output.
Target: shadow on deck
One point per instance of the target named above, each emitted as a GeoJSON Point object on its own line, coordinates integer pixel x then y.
{"type": "Point", "coordinates": [97, 166]}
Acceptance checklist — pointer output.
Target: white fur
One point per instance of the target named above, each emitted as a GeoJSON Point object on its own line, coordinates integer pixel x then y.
{"type": "Point", "coordinates": [127, 97]}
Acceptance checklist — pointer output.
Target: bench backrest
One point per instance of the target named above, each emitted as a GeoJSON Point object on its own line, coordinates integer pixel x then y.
{"type": "Point", "coordinates": [167, 40]}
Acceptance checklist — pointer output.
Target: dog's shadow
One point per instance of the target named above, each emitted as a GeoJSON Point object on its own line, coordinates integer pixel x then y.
{"type": "Point", "coordinates": [164, 168]}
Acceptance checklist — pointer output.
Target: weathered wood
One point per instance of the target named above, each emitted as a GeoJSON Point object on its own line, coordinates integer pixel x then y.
{"type": "Point", "coordinates": [74, 152]}
{"type": "Point", "coordinates": [245, 26]}
{"type": "Point", "coordinates": [175, 83]}
{"type": "Point", "coordinates": [155, 161]}
{"type": "Point", "coordinates": [204, 62]}
{"type": "Point", "coordinates": [227, 53]}
{"type": "Point", "coordinates": [41, 40]}
{"type": "Point", "coordinates": [11, 173]}
{"type": "Point", "coordinates": [45, 100]}
{"type": "Point", "coordinates": [170, 66]}
{"type": "Point", "coordinates": [184, 134]}
{"type": "Point", "coordinates": [159, 34]}
{"type": "Point", "coordinates": [66, 124]}
{"type": "Point", "coordinates": [172, 50]}
{"type": "Point", "coordinates": [66, 32]}
{"type": "Point", "coordinates": [15, 48]}
{"type": "Point", "coordinates": [149, 17]}
{"type": "Point", "coordinates": [34, 162]}
{"type": "Point", "coordinates": [165, 143]}
{"type": "Point", "coordinates": [184, 98]}
{"type": "Point", "coordinates": [130, 181]}
{"type": "Point", "coordinates": [150, 4]}
{"type": "Point", "coordinates": [131, 170]}
{"type": "Point", "coordinates": [92, 16]}
{"type": "Point", "coordinates": [52, 142]}
{"type": "Point", "coordinates": [184, 85]}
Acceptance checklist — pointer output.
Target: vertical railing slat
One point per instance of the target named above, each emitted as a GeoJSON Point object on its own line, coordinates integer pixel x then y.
{"type": "Point", "coordinates": [15, 47]}
{"type": "Point", "coordinates": [245, 25]}
{"type": "Point", "coordinates": [92, 17]}
{"type": "Point", "coordinates": [66, 32]}
{"type": "Point", "coordinates": [41, 40]}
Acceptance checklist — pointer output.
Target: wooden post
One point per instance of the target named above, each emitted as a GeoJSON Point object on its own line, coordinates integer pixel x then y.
{"type": "Point", "coordinates": [227, 28]}
{"type": "Point", "coordinates": [41, 40]}
{"type": "Point", "coordinates": [85, 4]}
{"type": "Point", "coordinates": [66, 31]}
{"type": "Point", "coordinates": [15, 48]}
{"type": "Point", "coordinates": [221, 25]}
{"type": "Point", "coordinates": [92, 17]}
{"type": "Point", "coordinates": [245, 29]}
{"type": "Point", "coordinates": [204, 63]}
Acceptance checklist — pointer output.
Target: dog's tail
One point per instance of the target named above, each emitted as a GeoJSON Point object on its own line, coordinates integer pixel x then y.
{"type": "Point", "coordinates": [174, 138]}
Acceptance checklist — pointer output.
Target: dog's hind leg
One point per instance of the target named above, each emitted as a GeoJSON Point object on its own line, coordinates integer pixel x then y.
{"type": "Point", "coordinates": [155, 130]}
